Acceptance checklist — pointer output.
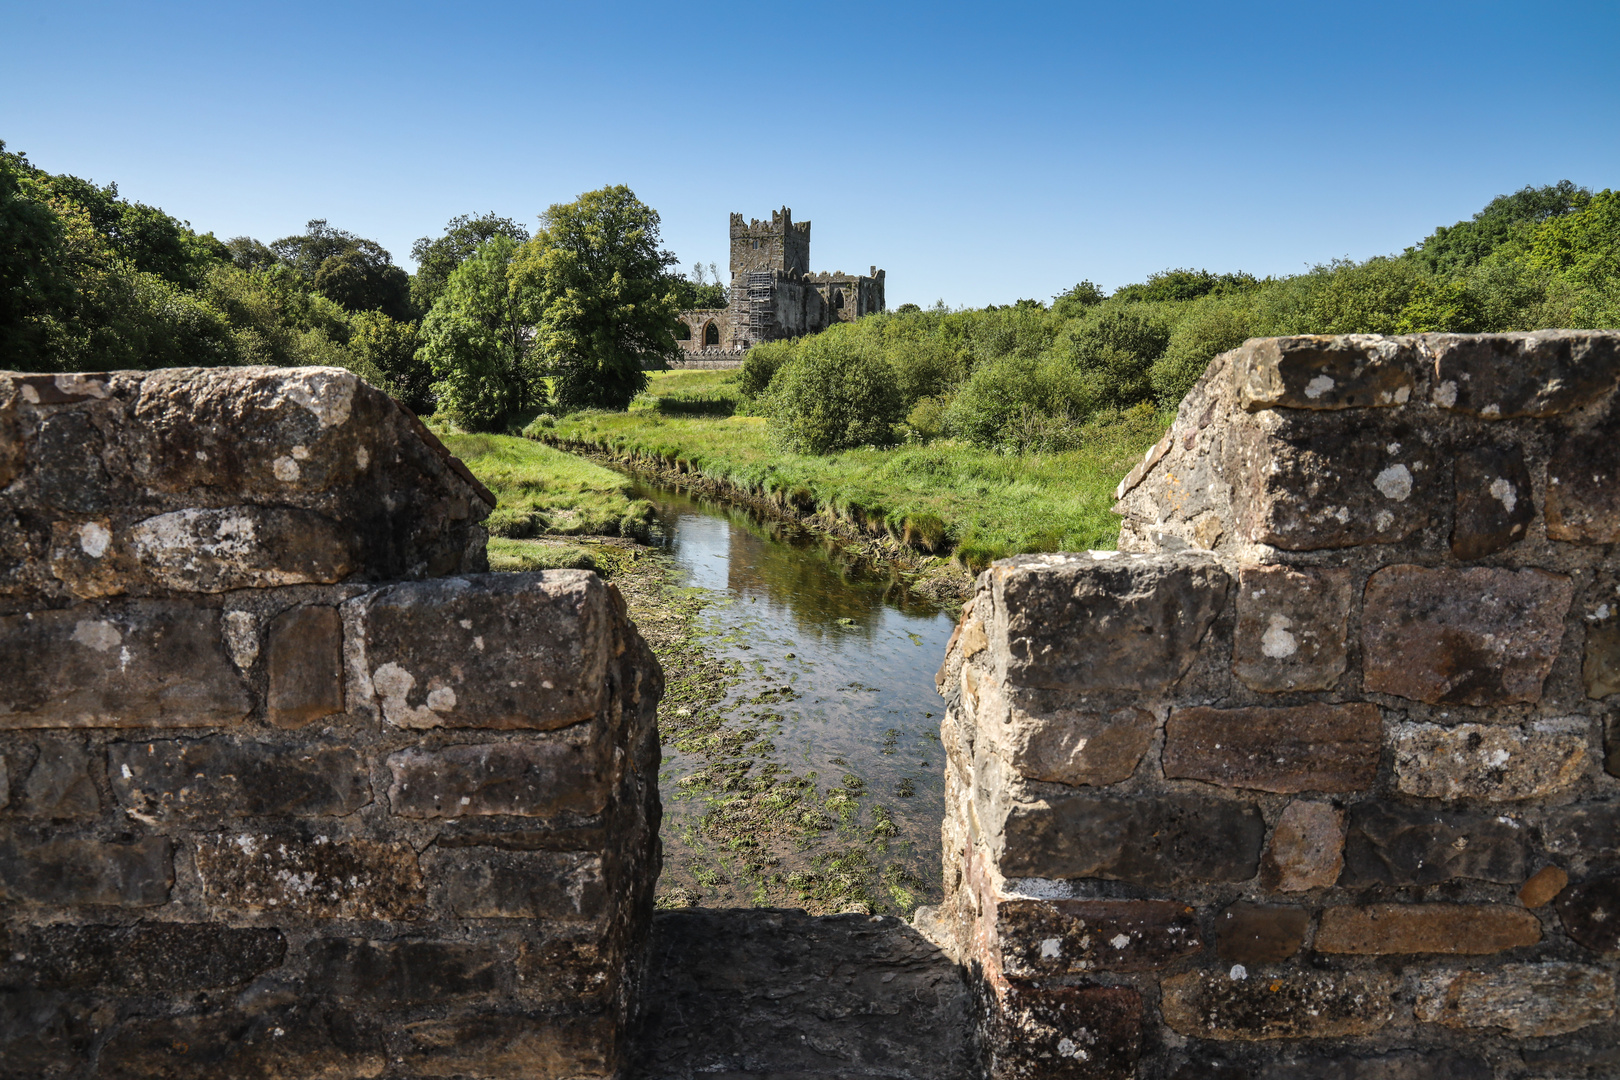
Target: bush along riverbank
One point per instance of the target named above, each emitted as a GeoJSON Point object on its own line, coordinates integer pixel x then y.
{"type": "Point", "coordinates": [944, 509]}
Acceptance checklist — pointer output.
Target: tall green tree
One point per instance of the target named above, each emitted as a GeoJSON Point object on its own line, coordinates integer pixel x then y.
{"type": "Point", "coordinates": [597, 287]}
{"type": "Point", "coordinates": [351, 271]}
{"type": "Point", "coordinates": [437, 258]}
{"type": "Point", "coordinates": [476, 341]}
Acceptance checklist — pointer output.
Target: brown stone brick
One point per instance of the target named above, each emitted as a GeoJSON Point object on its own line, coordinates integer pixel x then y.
{"type": "Point", "coordinates": [1097, 622]}
{"type": "Point", "coordinates": [553, 886]}
{"type": "Point", "coordinates": [1542, 886]}
{"type": "Point", "coordinates": [1043, 938]}
{"type": "Point", "coordinates": [1494, 503]}
{"type": "Point", "coordinates": [1307, 481]}
{"type": "Point", "coordinates": [283, 1042]}
{"type": "Point", "coordinates": [1477, 761]}
{"type": "Point", "coordinates": [1588, 832]}
{"type": "Point", "coordinates": [1299, 1004]}
{"type": "Point", "coordinates": [306, 666]}
{"type": "Point", "coordinates": [323, 878]}
{"type": "Point", "coordinates": [47, 1034]}
{"type": "Point", "coordinates": [505, 1044]}
{"type": "Point", "coordinates": [76, 871]}
{"type": "Point", "coordinates": [1306, 849]}
{"type": "Point", "coordinates": [146, 958]}
{"type": "Point", "coordinates": [1260, 933]}
{"type": "Point", "coordinates": [56, 783]}
{"type": "Point", "coordinates": [1502, 376]}
{"type": "Point", "coordinates": [229, 776]}
{"type": "Point", "coordinates": [1164, 841]}
{"type": "Point", "coordinates": [566, 773]}
{"type": "Point", "coordinates": [1523, 1001]}
{"type": "Point", "coordinates": [1291, 628]}
{"type": "Point", "coordinates": [1066, 1032]}
{"type": "Point", "coordinates": [1400, 845]}
{"type": "Point", "coordinates": [1583, 484]}
{"type": "Point", "coordinates": [1072, 746]}
{"type": "Point", "coordinates": [1350, 371]}
{"type": "Point", "coordinates": [1450, 929]}
{"type": "Point", "coordinates": [139, 663]}
{"type": "Point", "coordinates": [1589, 912]}
{"type": "Point", "coordinates": [1482, 636]}
{"type": "Point", "coordinates": [1315, 747]}
{"type": "Point", "coordinates": [405, 972]}
{"type": "Point", "coordinates": [240, 547]}
{"type": "Point", "coordinates": [502, 651]}
{"type": "Point", "coordinates": [1402, 1065]}
{"type": "Point", "coordinates": [1600, 669]}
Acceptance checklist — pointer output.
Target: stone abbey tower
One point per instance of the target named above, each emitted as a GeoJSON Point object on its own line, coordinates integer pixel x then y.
{"type": "Point", "coordinates": [773, 293]}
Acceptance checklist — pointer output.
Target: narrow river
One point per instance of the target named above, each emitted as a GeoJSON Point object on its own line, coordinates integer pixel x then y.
{"type": "Point", "coordinates": [826, 763]}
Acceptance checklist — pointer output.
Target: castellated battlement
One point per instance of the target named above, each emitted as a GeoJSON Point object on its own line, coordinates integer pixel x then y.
{"type": "Point", "coordinates": [781, 221]}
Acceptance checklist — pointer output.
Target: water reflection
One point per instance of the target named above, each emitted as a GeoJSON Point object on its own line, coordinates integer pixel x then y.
{"type": "Point", "coordinates": [858, 650]}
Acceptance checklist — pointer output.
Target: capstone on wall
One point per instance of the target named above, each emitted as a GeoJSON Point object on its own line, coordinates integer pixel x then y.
{"type": "Point", "coordinates": [289, 787]}
{"type": "Point", "coordinates": [1316, 776]}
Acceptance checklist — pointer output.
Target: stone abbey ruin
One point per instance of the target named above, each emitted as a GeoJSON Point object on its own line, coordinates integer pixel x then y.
{"type": "Point", "coordinates": [1317, 777]}
{"type": "Point", "coordinates": [773, 293]}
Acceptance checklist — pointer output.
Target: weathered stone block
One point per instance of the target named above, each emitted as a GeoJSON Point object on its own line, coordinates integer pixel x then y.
{"type": "Point", "coordinates": [554, 886]}
{"type": "Point", "coordinates": [405, 972]}
{"type": "Point", "coordinates": [1080, 746]}
{"type": "Point", "coordinates": [1305, 481]}
{"type": "Point", "coordinates": [1589, 912]}
{"type": "Point", "coordinates": [305, 665]}
{"type": "Point", "coordinates": [230, 776]}
{"type": "Point", "coordinates": [1600, 669]}
{"type": "Point", "coordinates": [322, 878]}
{"type": "Point", "coordinates": [136, 664]}
{"type": "Point", "coordinates": [512, 1045]}
{"type": "Point", "coordinates": [1171, 840]}
{"type": "Point", "coordinates": [1475, 761]}
{"type": "Point", "coordinates": [1502, 376]}
{"type": "Point", "coordinates": [67, 458]}
{"type": "Point", "coordinates": [1449, 929]}
{"type": "Point", "coordinates": [1291, 628]}
{"type": "Point", "coordinates": [1482, 636]}
{"type": "Point", "coordinates": [1494, 502]}
{"type": "Point", "coordinates": [1311, 1005]}
{"type": "Point", "coordinates": [241, 547]}
{"type": "Point", "coordinates": [1588, 832]}
{"type": "Point", "coordinates": [1306, 849]}
{"type": "Point", "coordinates": [289, 1042]}
{"type": "Point", "coordinates": [147, 958]}
{"type": "Point", "coordinates": [1406, 1065]}
{"type": "Point", "coordinates": [1520, 1000]}
{"type": "Point", "coordinates": [1542, 886]}
{"type": "Point", "coordinates": [1315, 747]}
{"type": "Point", "coordinates": [1319, 371]}
{"type": "Point", "coordinates": [499, 651]}
{"type": "Point", "coordinates": [1065, 1032]}
{"type": "Point", "coordinates": [1099, 621]}
{"type": "Point", "coordinates": [1400, 845]}
{"type": "Point", "coordinates": [45, 1034]}
{"type": "Point", "coordinates": [79, 871]}
{"type": "Point", "coordinates": [1583, 484]}
{"type": "Point", "coordinates": [1260, 933]}
{"type": "Point", "coordinates": [56, 782]}
{"type": "Point", "coordinates": [570, 773]}
{"type": "Point", "coordinates": [1043, 938]}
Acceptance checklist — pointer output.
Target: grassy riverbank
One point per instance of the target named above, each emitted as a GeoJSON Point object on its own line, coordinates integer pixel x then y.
{"type": "Point", "coordinates": [943, 497]}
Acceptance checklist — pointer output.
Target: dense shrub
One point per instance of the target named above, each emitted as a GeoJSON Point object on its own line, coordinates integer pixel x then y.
{"type": "Point", "coordinates": [835, 395]}
{"type": "Point", "coordinates": [761, 364]}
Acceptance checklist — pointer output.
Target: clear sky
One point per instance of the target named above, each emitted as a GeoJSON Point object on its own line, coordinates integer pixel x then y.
{"type": "Point", "coordinates": [979, 152]}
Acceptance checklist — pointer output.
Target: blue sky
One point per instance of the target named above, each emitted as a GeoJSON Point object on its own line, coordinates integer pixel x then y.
{"type": "Point", "coordinates": [978, 152]}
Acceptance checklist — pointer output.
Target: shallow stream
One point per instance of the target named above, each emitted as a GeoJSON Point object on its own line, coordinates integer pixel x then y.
{"type": "Point", "coordinates": [833, 661]}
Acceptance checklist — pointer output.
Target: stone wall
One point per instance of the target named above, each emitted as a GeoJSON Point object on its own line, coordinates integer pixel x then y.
{"type": "Point", "coordinates": [1314, 778]}
{"type": "Point", "coordinates": [288, 786]}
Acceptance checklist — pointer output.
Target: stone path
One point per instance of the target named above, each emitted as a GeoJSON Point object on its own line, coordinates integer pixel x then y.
{"type": "Point", "coordinates": [774, 994]}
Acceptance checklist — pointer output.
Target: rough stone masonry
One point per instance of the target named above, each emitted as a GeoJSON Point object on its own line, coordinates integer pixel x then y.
{"type": "Point", "coordinates": [290, 787]}
{"type": "Point", "coordinates": [1319, 775]}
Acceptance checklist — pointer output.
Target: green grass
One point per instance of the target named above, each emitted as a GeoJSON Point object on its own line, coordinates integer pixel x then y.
{"type": "Point", "coordinates": [542, 491]}
{"type": "Point", "coordinates": [952, 498]}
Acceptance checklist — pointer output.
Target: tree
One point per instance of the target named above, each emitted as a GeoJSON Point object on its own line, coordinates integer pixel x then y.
{"type": "Point", "coordinates": [1454, 248]}
{"type": "Point", "coordinates": [476, 341]}
{"type": "Point", "coordinates": [437, 258]}
{"type": "Point", "coordinates": [32, 282]}
{"type": "Point", "coordinates": [597, 287]}
{"type": "Point", "coordinates": [349, 270]}
{"type": "Point", "coordinates": [837, 392]}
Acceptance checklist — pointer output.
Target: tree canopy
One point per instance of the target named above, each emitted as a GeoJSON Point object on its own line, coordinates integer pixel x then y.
{"type": "Point", "coordinates": [437, 257]}
{"type": "Point", "coordinates": [355, 273]}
